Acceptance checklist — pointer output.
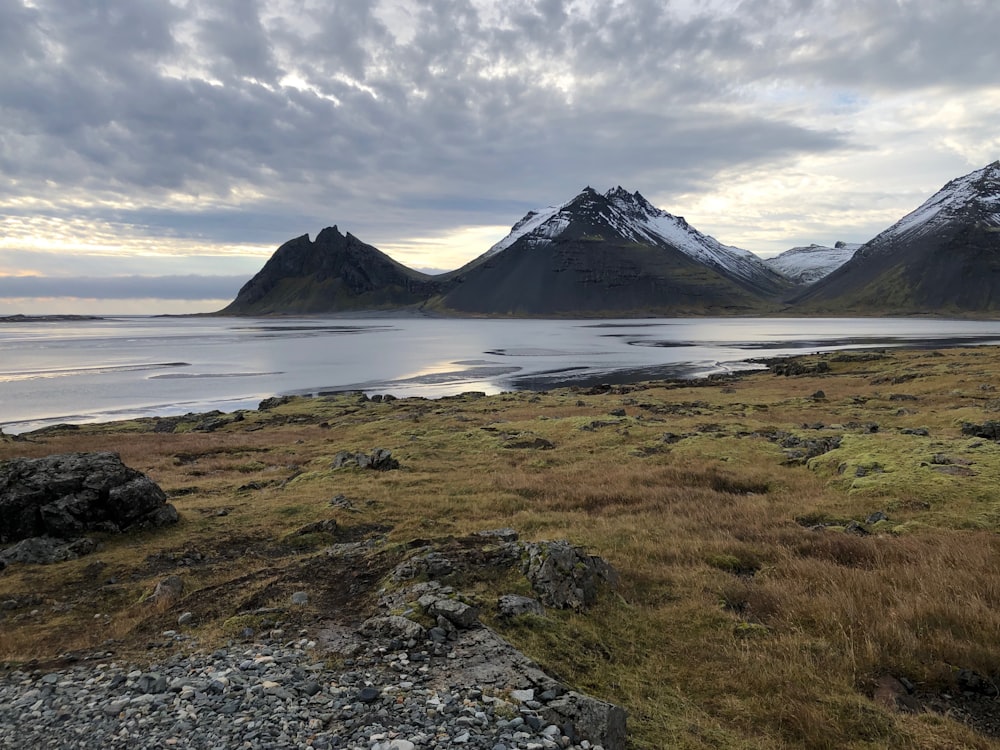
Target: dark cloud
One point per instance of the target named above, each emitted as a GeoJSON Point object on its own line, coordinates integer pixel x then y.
{"type": "Point", "coordinates": [123, 287]}
{"type": "Point", "coordinates": [282, 116]}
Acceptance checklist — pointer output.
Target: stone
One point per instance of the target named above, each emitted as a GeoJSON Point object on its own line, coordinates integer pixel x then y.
{"type": "Point", "coordinates": [564, 576]}
{"type": "Point", "coordinates": [592, 719]}
{"type": "Point", "coordinates": [514, 605]}
{"type": "Point", "coordinates": [167, 590]}
{"type": "Point", "coordinates": [506, 534]}
{"type": "Point", "coordinates": [529, 443]}
{"type": "Point", "coordinates": [185, 618]}
{"type": "Point", "coordinates": [44, 550]}
{"type": "Point", "coordinates": [368, 694]}
{"type": "Point", "coordinates": [990, 429]}
{"type": "Point", "coordinates": [432, 564]}
{"type": "Point", "coordinates": [458, 613]}
{"type": "Point", "coordinates": [300, 598]}
{"type": "Point", "coordinates": [380, 460]}
{"type": "Point", "coordinates": [393, 626]}
{"type": "Point", "coordinates": [66, 495]}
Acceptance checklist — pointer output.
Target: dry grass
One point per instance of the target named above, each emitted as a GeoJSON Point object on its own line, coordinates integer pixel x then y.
{"type": "Point", "coordinates": [736, 624]}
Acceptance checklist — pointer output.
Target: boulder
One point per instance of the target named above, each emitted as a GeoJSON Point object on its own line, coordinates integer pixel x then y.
{"type": "Point", "coordinates": [168, 590]}
{"type": "Point", "coordinates": [66, 495]}
{"type": "Point", "coordinates": [393, 626]}
{"type": "Point", "coordinates": [44, 550]}
{"type": "Point", "coordinates": [380, 460]}
{"type": "Point", "coordinates": [458, 613]}
{"type": "Point", "coordinates": [592, 719]}
{"type": "Point", "coordinates": [514, 605]}
{"type": "Point", "coordinates": [565, 576]}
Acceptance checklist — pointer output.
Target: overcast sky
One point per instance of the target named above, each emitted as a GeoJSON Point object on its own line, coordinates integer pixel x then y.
{"type": "Point", "coordinates": [180, 139]}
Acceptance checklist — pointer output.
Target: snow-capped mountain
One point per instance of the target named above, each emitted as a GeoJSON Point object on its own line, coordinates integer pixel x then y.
{"type": "Point", "coordinates": [974, 197]}
{"type": "Point", "coordinates": [631, 217]}
{"type": "Point", "coordinates": [809, 264]}
{"type": "Point", "coordinates": [611, 253]}
{"type": "Point", "coordinates": [942, 257]}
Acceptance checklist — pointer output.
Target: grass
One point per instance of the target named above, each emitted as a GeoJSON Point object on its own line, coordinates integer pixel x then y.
{"type": "Point", "coordinates": [748, 615]}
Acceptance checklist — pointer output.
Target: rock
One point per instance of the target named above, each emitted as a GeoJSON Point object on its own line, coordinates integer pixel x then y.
{"type": "Point", "coordinates": [66, 495]}
{"type": "Point", "coordinates": [513, 605]}
{"type": "Point", "coordinates": [368, 694]}
{"type": "Point", "coordinates": [564, 576]}
{"type": "Point", "coordinates": [393, 626]}
{"type": "Point", "coordinates": [989, 429]}
{"type": "Point", "coordinates": [601, 723]}
{"type": "Point", "coordinates": [529, 443]}
{"type": "Point", "coordinates": [501, 535]}
{"type": "Point", "coordinates": [329, 526]}
{"type": "Point", "coordinates": [818, 396]}
{"type": "Point", "coordinates": [432, 564]}
{"type": "Point", "coordinates": [44, 550]}
{"type": "Point", "coordinates": [300, 598]}
{"type": "Point", "coordinates": [167, 590]}
{"type": "Point", "coordinates": [273, 402]}
{"type": "Point", "coordinates": [970, 681]}
{"type": "Point", "coordinates": [876, 517]}
{"type": "Point", "coordinates": [379, 460]}
{"type": "Point", "coordinates": [458, 613]}
{"type": "Point", "coordinates": [185, 618]}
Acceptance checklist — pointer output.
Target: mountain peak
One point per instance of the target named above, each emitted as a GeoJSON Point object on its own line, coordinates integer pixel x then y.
{"type": "Point", "coordinates": [973, 197]}
{"type": "Point", "coordinates": [620, 217]}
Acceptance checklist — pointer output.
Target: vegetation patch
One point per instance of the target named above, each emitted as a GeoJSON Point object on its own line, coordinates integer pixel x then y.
{"type": "Point", "coordinates": [762, 597]}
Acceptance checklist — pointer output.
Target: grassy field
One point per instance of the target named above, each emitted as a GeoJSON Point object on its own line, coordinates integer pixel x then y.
{"type": "Point", "coordinates": [786, 543]}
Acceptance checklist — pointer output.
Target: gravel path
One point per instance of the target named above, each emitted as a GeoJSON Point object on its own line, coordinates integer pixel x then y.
{"type": "Point", "coordinates": [269, 694]}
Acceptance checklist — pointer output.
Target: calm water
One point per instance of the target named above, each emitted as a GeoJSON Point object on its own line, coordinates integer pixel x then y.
{"type": "Point", "coordinates": [118, 368]}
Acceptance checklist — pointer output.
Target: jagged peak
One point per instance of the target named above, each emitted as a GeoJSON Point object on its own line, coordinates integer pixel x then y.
{"type": "Point", "coordinates": [328, 233]}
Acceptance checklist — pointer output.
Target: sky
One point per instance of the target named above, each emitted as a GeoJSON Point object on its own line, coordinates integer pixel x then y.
{"type": "Point", "coordinates": [154, 154]}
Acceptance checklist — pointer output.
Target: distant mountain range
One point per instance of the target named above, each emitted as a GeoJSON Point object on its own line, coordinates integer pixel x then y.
{"type": "Point", "coordinates": [615, 254]}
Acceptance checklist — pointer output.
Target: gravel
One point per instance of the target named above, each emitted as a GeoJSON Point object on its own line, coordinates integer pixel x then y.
{"type": "Point", "coordinates": [267, 694]}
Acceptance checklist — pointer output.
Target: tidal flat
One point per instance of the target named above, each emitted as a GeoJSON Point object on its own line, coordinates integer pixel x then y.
{"type": "Point", "coordinates": [806, 555]}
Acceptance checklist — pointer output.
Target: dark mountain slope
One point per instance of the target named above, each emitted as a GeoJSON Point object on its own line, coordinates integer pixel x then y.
{"type": "Point", "coordinates": [610, 254]}
{"type": "Point", "coordinates": [335, 273]}
{"type": "Point", "coordinates": [944, 257]}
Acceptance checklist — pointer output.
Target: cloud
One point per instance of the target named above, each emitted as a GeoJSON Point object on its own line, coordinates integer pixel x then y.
{"type": "Point", "coordinates": [123, 287]}
{"type": "Point", "coordinates": [252, 121]}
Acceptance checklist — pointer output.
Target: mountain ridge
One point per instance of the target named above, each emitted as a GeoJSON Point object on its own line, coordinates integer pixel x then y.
{"type": "Point", "coordinates": [944, 256]}
{"type": "Point", "coordinates": [615, 254]}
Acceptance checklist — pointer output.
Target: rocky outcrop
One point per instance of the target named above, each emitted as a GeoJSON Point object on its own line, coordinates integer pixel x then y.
{"type": "Point", "coordinates": [65, 496]}
{"type": "Point", "coordinates": [43, 550]}
{"type": "Point", "coordinates": [380, 460]}
{"type": "Point", "coordinates": [461, 650]}
{"type": "Point", "coordinates": [565, 576]}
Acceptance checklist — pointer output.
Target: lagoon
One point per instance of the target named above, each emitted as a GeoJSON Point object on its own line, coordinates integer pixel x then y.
{"type": "Point", "coordinates": [78, 371]}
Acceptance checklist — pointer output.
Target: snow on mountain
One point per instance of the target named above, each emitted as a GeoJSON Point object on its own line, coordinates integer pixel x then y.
{"type": "Point", "coordinates": [805, 265]}
{"type": "Point", "coordinates": [636, 219]}
{"type": "Point", "coordinates": [541, 225]}
{"type": "Point", "coordinates": [977, 192]}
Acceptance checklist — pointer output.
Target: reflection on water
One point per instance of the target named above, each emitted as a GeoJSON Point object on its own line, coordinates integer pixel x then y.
{"type": "Point", "coordinates": [115, 368]}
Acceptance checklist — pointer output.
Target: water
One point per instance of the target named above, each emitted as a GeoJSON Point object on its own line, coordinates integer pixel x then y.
{"type": "Point", "coordinates": [118, 368]}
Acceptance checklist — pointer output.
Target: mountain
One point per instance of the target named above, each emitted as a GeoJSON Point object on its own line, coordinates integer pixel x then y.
{"type": "Point", "coordinates": [944, 257]}
{"type": "Point", "coordinates": [611, 254]}
{"type": "Point", "coordinates": [335, 273]}
{"type": "Point", "coordinates": [809, 264]}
